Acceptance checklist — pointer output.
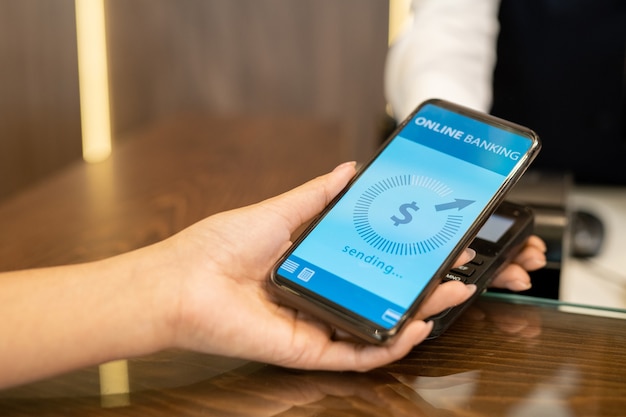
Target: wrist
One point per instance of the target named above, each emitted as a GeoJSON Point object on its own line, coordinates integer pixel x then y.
{"type": "Point", "coordinates": [134, 286]}
{"type": "Point", "coordinates": [154, 289]}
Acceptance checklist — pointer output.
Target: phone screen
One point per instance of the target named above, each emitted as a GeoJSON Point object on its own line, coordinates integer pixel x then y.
{"type": "Point", "coordinates": [383, 241]}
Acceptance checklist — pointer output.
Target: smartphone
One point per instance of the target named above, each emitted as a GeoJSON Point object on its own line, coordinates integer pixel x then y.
{"type": "Point", "coordinates": [384, 243]}
{"type": "Point", "coordinates": [497, 243]}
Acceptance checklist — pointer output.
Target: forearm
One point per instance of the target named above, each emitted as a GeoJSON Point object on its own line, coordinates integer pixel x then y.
{"type": "Point", "coordinates": [64, 318]}
{"type": "Point", "coordinates": [448, 52]}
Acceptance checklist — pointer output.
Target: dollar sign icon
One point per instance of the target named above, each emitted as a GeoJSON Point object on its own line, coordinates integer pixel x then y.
{"type": "Point", "coordinates": [404, 210]}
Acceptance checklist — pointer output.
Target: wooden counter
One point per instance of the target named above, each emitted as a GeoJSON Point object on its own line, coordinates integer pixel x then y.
{"type": "Point", "coordinates": [501, 358]}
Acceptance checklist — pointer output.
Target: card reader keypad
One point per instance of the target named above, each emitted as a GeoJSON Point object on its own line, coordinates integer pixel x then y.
{"type": "Point", "coordinates": [466, 273]}
{"type": "Point", "coordinates": [491, 256]}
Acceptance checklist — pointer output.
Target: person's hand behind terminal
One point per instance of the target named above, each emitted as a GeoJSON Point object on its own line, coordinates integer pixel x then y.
{"type": "Point", "coordinates": [202, 289]}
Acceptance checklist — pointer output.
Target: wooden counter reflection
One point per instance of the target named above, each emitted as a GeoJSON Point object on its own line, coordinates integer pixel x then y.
{"type": "Point", "coordinates": [499, 359]}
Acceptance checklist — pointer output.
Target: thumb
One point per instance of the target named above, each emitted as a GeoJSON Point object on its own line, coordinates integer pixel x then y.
{"type": "Point", "coordinates": [302, 203]}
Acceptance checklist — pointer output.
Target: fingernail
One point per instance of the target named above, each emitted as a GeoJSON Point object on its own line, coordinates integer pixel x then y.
{"type": "Point", "coordinates": [429, 326]}
{"type": "Point", "coordinates": [533, 264]}
{"type": "Point", "coordinates": [470, 253]}
{"type": "Point", "coordinates": [538, 263]}
{"type": "Point", "coordinates": [471, 288]}
{"type": "Point", "coordinates": [345, 165]}
{"type": "Point", "coordinates": [519, 286]}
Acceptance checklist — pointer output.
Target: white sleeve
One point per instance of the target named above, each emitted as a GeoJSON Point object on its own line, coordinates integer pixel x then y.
{"type": "Point", "coordinates": [447, 51]}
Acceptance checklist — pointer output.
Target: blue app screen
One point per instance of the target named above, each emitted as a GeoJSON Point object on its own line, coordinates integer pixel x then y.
{"type": "Point", "coordinates": [381, 244]}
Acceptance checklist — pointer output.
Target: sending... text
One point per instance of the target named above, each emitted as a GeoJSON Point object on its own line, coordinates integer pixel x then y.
{"type": "Point", "coordinates": [372, 260]}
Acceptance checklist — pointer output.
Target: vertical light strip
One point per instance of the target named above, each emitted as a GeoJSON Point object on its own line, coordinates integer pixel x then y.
{"type": "Point", "coordinates": [398, 13]}
{"type": "Point", "coordinates": [93, 79]}
{"type": "Point", "coordinates": [114, 384]}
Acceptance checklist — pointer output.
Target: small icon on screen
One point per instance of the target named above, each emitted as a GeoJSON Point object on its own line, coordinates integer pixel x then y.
{"type": "Point", "coordinates": [290, 266]}
{"type": "Point", "coordinates": [306, 274]}
{"type": "Point", "coordinates": [391, 316]}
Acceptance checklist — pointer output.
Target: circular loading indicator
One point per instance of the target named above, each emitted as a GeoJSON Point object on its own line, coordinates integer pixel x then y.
{"type": "Point", "coordinates": [364, 228]}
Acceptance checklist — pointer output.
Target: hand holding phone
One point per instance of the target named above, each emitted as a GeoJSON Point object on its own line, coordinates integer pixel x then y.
{"type": "Point", "coordinates": [384, 244]}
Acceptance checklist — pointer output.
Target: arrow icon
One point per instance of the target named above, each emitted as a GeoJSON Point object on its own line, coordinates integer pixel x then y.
{"type": "Point", "coordinates": [458, 203]}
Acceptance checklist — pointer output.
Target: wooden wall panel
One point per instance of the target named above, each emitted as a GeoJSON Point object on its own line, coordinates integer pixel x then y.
{"type": "Point", "coordinates": [319, 57]}
{"type": "Point", "coordinates": [39, 103]}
